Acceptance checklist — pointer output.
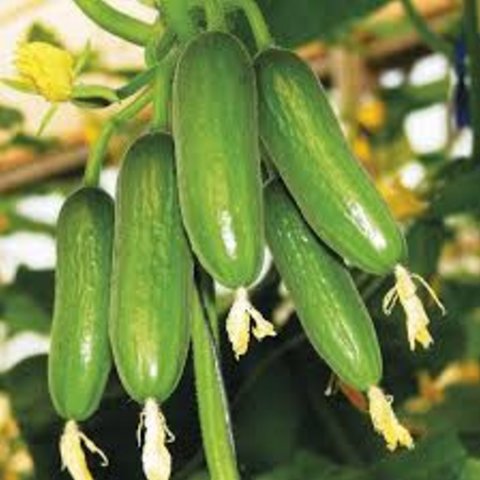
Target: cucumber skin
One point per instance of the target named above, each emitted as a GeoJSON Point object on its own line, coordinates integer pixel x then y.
{"type": "Point", "coordinates": [305, 142]}
{"type": "Point", "coordinates": [80, 361]}
{"type": "Point", "coordinates": [215, 127]}
{"type": "Point", "coordinates": [329, 307]}
{"type": "Point", "coordinates": [152, 276]}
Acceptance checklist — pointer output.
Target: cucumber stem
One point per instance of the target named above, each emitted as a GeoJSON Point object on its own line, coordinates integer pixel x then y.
{"type": "Point", "coordinates": [99, 149]}
{"type": "Point", "coordinates": [434, 41]}
{"type": "Point", "coordinates": [471, 19]}
{"type": "Point", "coordinates": [215, 13]}
{"type": "Point", "coordinates": [162, 90]}
{"type": "Point", "coordinates": [178, 17]}
{"type": "Point", "coordinates": [116, 22]}
{"type": "Point", "coordinates": [257, 22]}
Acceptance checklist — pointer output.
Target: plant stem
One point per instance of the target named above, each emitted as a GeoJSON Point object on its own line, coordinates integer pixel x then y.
{"type": "Point", "coordinates": [214, 10]}
{"type": "Point", "coordinates": [178, 18]}
{"type": "Point", "coordinates": [162, 91]}
{"type": "Point", "coordinates": [471, 13]}
{"type": "Point", "coordinates": [256, 20]}
{"type": "Point", "coordinates": [116, 22]}
{"type": "Point", "coordinates": [98, 151]}
{"type": "Point", "coordinates": [434, 41]}
{"type": "Point", "coordinates": [213, 407]}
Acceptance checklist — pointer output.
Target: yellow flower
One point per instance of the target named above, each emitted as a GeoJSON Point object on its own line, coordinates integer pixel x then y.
{"type": "Point", "coordinates": [371, 114]}
{"type": "Point", "coordinates": [238, 324]}
{"type": "Point", "coordinates": [432, 390]}
{"type": "Point", "coordinates": [385, 422]}
{"type": "Point", "coordinates": [363, 150]}
{"type": "Point", "coordinates": [403, 202]}
{"type": "Point", "coordinates": [46, 70]}
{"type": "Point", "coordinates": [405, 291]}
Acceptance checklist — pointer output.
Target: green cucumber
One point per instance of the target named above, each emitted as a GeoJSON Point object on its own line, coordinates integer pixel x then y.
{"type": "Point", "coordinates": [306, 144]}
{"type": "Point", "coordinates": [79, 361]}
{"type": "Point", "coordinates": [216, 141]}
{"type": "Point", "coordinates": [328, 305]}
{"type": "Point", "coordinates": [152, 274]}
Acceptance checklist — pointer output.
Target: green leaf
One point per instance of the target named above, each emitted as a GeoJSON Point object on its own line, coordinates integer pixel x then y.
{"type": "Point", "coordinates": [294, 24]}
{"type": "Point", "coordinates": [459, 195]}
{"type": "Point", "coordinates": [267, 421]}
{"type": "Point", "coordinates": [26, 305]}
{"type": "Point", "coordinates": [306, 465]}
{"type": "Point", "coordinates": [440, 457]}
{"type": "Point", "coordinates": [425, 241]}
{"type": "Point", "coordinates": [38, 32]}
{"type": "Point", "coordinates": [10, 117]}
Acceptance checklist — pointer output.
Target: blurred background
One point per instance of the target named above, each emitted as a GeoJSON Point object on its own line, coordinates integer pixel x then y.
{"type": "Point", "coordinates": [397, 73]}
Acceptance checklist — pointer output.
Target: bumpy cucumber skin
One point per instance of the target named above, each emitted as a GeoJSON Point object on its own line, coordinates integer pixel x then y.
{"type": "Point", "coordinates": [152, 276]}
{"type": "Point", "coordinates": [215, 127]}
{"type": "Point", "coordinates": [79, 361]}
{"type": "Point", "coordinates": [329, 307]}
{"type": "Point", "coordinates": [306, 144]}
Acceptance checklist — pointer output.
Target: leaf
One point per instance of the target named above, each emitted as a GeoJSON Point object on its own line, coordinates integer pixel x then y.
{"type": "Point", "coordinates": [26, 305]}
{"type": "Point", "coordinates": [28, 387]}
{"type": "Point", "coordinates": [313, 19]}
{"type": "Point", "coordinates": [306, 465]}
{"type": "Point", "coordinates": [38, 32]}
{"type": "Point", "coordinates": [425, 241]}
{"type": "Point", "coordinates": [267, 420]}
{"type": "Point", "coordinates": [440, 457]}
{"type": "Point", "coordinates": [10, 117]}
{"type": "Point", "coordinates": [459, 195]}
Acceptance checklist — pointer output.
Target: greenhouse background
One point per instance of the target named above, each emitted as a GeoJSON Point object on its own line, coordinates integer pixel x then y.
{"type": "Point", "coordinates": [398, 76]}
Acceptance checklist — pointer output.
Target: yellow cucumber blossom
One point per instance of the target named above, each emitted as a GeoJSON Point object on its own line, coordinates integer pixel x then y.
{"type": "Point", "coordinates": [156, 459]}
{"type": "Point", "coordinates": [45, 70]}
{"type": "Point", "coordinates": [432, 390]}
{"type": "Point", "coordinates": [73, 457]}
{"type": "Point", "coordinates": [385, 422]}
{"type": "Point", "coordinates": [405, 291]}
{"type": "Point", "coordinates": [371, 114]}
{"type": "Point", "coordinates": [238, 324]}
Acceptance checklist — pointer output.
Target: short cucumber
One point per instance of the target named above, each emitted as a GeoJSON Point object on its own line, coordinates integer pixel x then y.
{"type": "Point", "coordinates": [152, 274]}
{"type": "Point", "coordinates": [216, 141]}
{"type": "Point", "coordinates": [305, 142]}
{"type": "Point", "coordinates": [329, 307]}
{"type": "Point", "coordinates": [79, 361]}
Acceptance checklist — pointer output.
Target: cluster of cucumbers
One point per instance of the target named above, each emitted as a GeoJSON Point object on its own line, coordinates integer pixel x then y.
{"type": "Point", "coordinates": [195, 191]}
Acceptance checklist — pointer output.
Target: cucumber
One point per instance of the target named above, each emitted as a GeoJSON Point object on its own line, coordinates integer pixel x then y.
{"type": "Point", "coordinates": [79, 361]}
{"type": "Point", "coordinates": [305, 143]}
{"type": "Point", "coordinates": [216, 140]}
{"type": "Point", "coordinates": [328, 305]}
{"type": "Point", "coordinates": [152, 275]}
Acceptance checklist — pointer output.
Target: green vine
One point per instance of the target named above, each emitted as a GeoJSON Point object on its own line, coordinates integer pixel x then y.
{"type": "Point", "coordinates": [98, 151]}
{"type": "Point", "coordinates": [116, 22]}
{"type": "Point", "coordinates": [256, 20]}
{"type": "Point", "coordinates": [215, 13]}
{"type": "Point", "coordinates": [434, 41]}
{"type": "Point", "coordinates": [179, 19]}
{"type": "Point", "coordinates": [162, 91]}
